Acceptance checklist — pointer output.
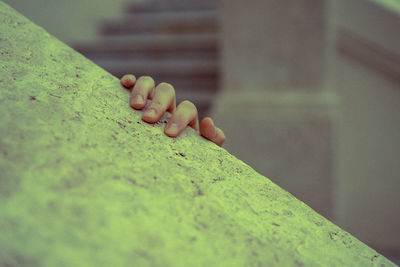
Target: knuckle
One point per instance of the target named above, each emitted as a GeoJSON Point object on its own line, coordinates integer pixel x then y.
{"type": "Point", "coordinates": [156, 103]}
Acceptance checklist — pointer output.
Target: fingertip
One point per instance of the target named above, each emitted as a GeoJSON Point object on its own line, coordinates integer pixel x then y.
{"type": "Point", "coordinates": [137, 102]}
{"type": "Point", "coordinates": [212, 133]}
{"type": "Point", "coordinates": [148, 119]}
{"type": "Point", "coordinates": [211, 121]}
{"type": "Point", "coordinates": [220, 137]}
{"type": "Point", "coordinates": [136, 106]}
{"type": "Point", "coordinates": [169, 134]}
{"type": "Point", "coordinates": [208, 130]}
{"type": "Point", "coordinates": [221, 133]}
{"type": "Point", "coordinates": [128, 80]}
{"type": "Point", "coordinates": [172, 129]}
{"type": "Point", "coordinates": [205, 123]}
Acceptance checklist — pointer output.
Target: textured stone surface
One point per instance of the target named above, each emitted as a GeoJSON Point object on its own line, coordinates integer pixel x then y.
{"type": "Point", "coordinates": [84, 182]}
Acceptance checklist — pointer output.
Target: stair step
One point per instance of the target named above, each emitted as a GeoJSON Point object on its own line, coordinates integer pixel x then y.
{"type": "Point", "coordinates": [154, 56]}
{"type": "Point", "coordinates": [164, 22]}
{"type": "Point", "coordinates": [171, 5]}
{"type": "Point", "coordinates": [164, 70]}
{"type": "Point", "coordinates": [152, 46]}
{"type": "Point", "coordinates": [179, 82]}
{"type": "Point", "coordinates": [182, 68]}
{"type": "Point", "coordinates": [203, 100]}
{"type": "Point", "coordinates": [194, 96]}
{"type": "Point", "coordinates": [183, 83]}
{"type": "Point", "coordinates": [206, 85]}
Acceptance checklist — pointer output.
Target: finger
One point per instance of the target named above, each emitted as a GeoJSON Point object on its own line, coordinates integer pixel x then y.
{"type": "Point", "coordinates": [128, 81]}
{"type": "Point", "coordinates": [163, 100]}
{"type": "Point", "coordinates": [212, 133]}
{"type": "Point", "coordinates": [185, 114]}
{"type": "Point", "coordinates": [144, 88]}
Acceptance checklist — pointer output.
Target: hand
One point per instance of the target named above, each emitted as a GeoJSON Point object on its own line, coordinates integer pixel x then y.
{"type": "Point", "coordinates": [163, 97]}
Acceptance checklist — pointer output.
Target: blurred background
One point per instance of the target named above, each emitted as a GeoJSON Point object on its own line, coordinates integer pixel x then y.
{"type": "Point", "coordinates": [306, 91]}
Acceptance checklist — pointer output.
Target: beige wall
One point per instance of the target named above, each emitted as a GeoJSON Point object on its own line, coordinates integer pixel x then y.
{"type": "Point", "coordinates": [273, 45]}
{"type": "Point", "coordinates": [275, 109]}
{"type": "Point", "coordinates": [366, 77]}
{"type": "Point", "coordinates": [300, 144]}
{"type": "Point", "coordinates": [69, 20]}
{"type": "Point", "coordinates": [367, 196]}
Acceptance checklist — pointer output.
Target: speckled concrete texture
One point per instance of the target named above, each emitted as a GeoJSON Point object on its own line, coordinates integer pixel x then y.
{"type": "Point", "coordinates": [84, 182]}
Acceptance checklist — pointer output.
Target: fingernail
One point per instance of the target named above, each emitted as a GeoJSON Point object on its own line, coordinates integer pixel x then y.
{"type": "Point", "coordinates": [151, 112]}
{"type": "Point", "coordinates": [139, 100]}
{"type": "Point", "coordinates": [173, 129]}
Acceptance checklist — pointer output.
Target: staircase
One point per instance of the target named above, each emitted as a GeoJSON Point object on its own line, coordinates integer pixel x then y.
{"type": "Point", "coordinates": [172, 41]}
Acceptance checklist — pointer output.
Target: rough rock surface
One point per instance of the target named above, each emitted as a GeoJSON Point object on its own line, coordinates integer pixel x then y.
{"type": "Point", "coordinates": [84, 182]}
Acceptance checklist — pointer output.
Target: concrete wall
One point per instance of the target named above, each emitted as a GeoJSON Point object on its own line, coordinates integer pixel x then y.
{"type": "Point", "coordinates": [273, 45]}
{"type": "Point", "coordinates": [273, 66]}
{"type": "Point", "coordinates": [366, 75]}
{"type": "Point", "coordinates": [85, 182]}
{"type": "Point", "coordinates": [367, 197]}
{"type": "Point", "coordinates": [367, 171]}
{"type": "Point", "coordinates": [340, 154]}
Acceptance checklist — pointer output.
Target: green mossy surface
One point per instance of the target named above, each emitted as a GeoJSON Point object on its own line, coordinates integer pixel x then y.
{"type": "Point", "coordinates": [85, 182]}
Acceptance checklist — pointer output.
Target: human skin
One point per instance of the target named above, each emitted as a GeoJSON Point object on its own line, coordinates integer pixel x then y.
{"type": "Point", "coordinates": [164, 99]}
